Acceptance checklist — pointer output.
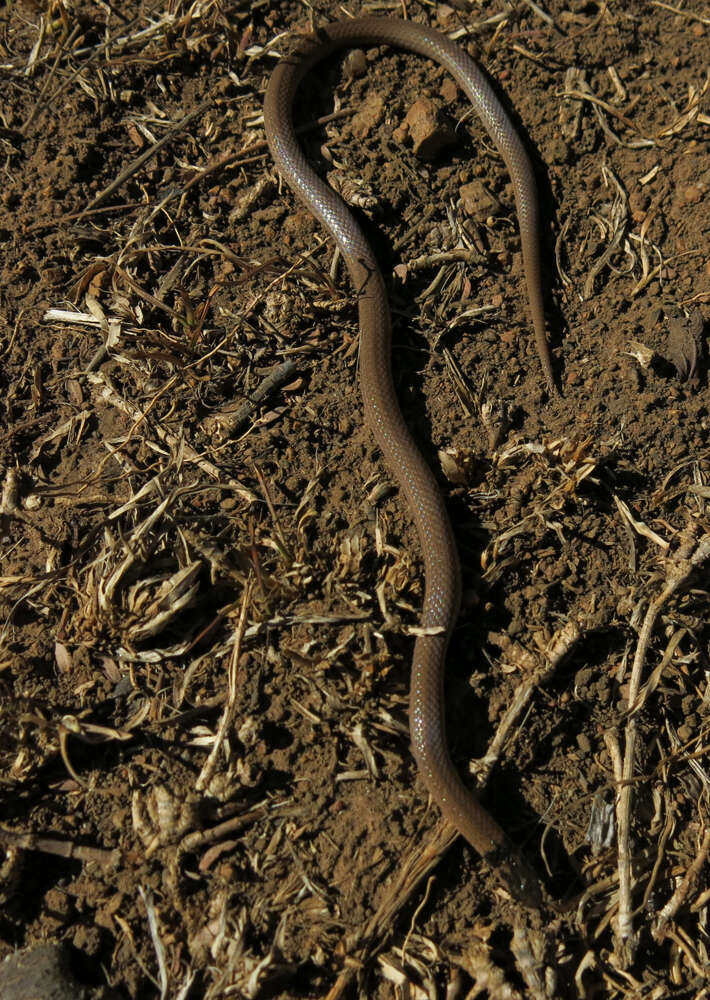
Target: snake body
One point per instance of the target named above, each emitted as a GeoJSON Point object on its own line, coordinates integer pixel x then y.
{"type": "Point", "coordinates": [382, 413]}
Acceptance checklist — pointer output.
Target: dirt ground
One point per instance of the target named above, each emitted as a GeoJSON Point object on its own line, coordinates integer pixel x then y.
{"type": "Point", "coordinates": [208, 582]}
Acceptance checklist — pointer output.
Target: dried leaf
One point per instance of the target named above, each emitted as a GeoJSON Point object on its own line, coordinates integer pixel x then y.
{"type": "Point", "coordinates": [63, 658]}
{"type": "Point", "coordinates": [682, 349]}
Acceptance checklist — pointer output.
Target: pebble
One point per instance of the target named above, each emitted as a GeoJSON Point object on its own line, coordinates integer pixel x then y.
{"type": "Point", "coordinates": [355, 64]}
{"type": "Point", "coordinates": [477, 201]}
{"type": "Point", "coordinates": [427, 128]}
{"type": "Point", "coordinates": [444, 13]}
{"type": "Point", "coordinates": [41, 973]}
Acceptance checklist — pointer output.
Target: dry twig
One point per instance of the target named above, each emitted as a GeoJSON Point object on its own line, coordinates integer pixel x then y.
{"type": "Point", "coordinates": [689, 556]}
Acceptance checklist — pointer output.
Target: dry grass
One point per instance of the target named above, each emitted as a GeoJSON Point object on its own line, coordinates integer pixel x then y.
{"type": "Point", "coordinates": [207, 589]}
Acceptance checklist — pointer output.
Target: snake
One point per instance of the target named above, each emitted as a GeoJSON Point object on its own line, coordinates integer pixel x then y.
{"type": "Point", "coordinates": [442, 574]}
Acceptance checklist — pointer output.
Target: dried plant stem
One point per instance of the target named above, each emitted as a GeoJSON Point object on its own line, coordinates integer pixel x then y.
{"type": "Point", "coordinates": [210, 765]}
{"type": "Point", "coordinates": [679, 12]}
{"type": "Point", "coordinates": [228, 421]}
{"type": "Point", "coordinates": [559, 648]}
{"type": "Point", "coordinates": [106, 389]}
{"type": "Point", "coordinates": [687, 558]}
{"type": "Point", "coordinates": [136, 164]}
{"type": "Point", "coordinates": [528, 945]}
{"type": "Point", "coordinates": [671, 908]}
{"type": "Point", "coordinates": [61, 848]}
{"type": "Point", "coordinates": [375, 931]}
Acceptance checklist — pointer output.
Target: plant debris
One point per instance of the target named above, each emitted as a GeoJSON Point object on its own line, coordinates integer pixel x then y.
{"type": "Point", "coordinates": [209, 588]}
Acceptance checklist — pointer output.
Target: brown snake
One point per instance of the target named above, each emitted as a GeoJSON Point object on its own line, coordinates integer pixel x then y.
{"type": "Point", "coordinates": [382, 413]}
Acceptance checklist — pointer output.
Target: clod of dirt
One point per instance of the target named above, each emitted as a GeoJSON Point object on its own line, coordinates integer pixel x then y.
{"type": "Point", "coordinates": [448, 90]}
{"type": "Point", "coordinates": [368, 116]}
{"type": "Point", "coordinates": [355, 64]}
{"type": "Point", "coordinates": [427, 127]}
{"type": "Point", "coordinates": [42, 972]}
{"type": "Point", "coordinates": [478, 202]}
{"type": "Point", "coordinates": [684, 343]}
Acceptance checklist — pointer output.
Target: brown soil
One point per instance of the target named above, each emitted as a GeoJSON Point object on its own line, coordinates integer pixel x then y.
{"type": "Point", "coordinates": [205, 629]}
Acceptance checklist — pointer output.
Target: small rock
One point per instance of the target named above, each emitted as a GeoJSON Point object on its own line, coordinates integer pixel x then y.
{"type": "Point", "coordinates": [42, 972]}
{"type": "Point", "coordinates": [428, 129]}
{"type": "Point", "coordinates": [355, 64]}
{"type": "Point", "coordinates": [54, 275]}
{"type": "Point", "coordinates": [653, 318]}
{"type": "Point", "coordinates": [583, 677]}
{"type": "Point", "coordinates": [444, 13]}
{"type": "Point", "coordinates": [477, 201]}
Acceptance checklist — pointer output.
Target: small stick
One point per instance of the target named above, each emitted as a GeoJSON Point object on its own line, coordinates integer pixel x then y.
{"type": "Point", "coordinates": [683, 565]}
{"type": "Point", "coordinates": [136, 164]}
{"type": "Point", "coordinates": [534, 674]}
{"type": "Point", "coordinates": [40, 103]}
{"type": "Point", "coordinates": [210, 765]}
{"type": "Point", "coordinates": [280, 536]}
{"type": "Point", "coordinates": [60, 220]}
{"type": "Point", "coordinates": [61, 848]}
{"type": "Point", "coordinates": [225, 424]}
{"type": "Point", "coordinates": [159, 947]}
{"type": "Point", "coordinates": [681, 13]}
{"type": "Point", "coordinates": [229, 159]}
{"type": "Point", "coordinates": [687, 883]}
{"type": "Point", "coordinates": [106, 389]}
